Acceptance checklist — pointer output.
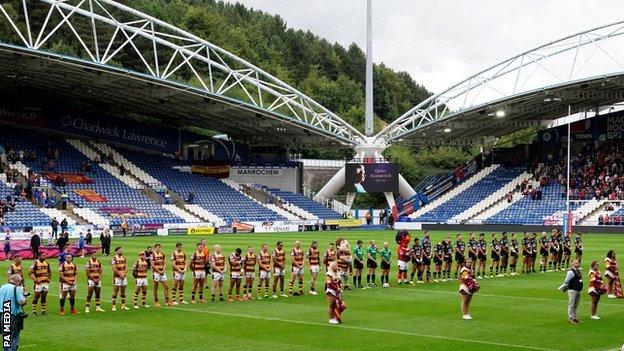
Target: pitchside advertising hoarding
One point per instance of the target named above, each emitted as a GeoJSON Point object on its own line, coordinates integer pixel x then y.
{"type": "Point", "coordinates": [372, 177]}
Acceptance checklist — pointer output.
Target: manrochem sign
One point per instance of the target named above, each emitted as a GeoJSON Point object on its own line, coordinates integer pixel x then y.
{"type": "Point", "coordinates": [262, 172]}
{"type": "Point", "coordinates": [110, 131]}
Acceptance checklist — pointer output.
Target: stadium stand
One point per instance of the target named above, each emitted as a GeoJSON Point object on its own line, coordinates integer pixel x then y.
{"type": "Point", "coordinates": [297, 202]}
{"type": "Point", "coordinates": [213, 198]}
{"type": "Point", "coordinates": [104, 189]}
{"type": "Point", "coordinates": [24, 214]}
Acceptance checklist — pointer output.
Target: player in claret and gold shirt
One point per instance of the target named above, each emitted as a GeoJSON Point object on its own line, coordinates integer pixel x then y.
{"type": "Point", "coordinates": [159, 275]}
{"type": "Point", "coordinates": [178, 263]}
{"type": "Point", "coordinates": [249, 264]}
{"type": "Point", "coordinates": [67, 273]}
{"type": "Point", "coordinates": [279, 261]}
{"type": "Point", "coordinates": [236, 266]}
{"type": "Point", "coordinates": [264, 277]}
{"type": "Point", "coordinates": [139, 271]}
{"type": "Point", "coordinates": [16, 267]}
{"type": "Point", "coordinates": [217, 263]}
{"type": "Point", "coordinates": [40, 274]}
{"type": "Point", "coordinates": [120, 268]}
{"type": "Point", "coordinates": [94, 271]}
{"type": "Point", "coordinates": [314, 259]}
{"type": "Point", "coordinates": [296, 256]}
{"type": "Point", "coordinates": [198, 266]}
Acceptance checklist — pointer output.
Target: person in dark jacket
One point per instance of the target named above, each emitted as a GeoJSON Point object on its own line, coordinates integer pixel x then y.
{"type": "Point", "coordinates": [573, 284]}
{"type": "Point", "coordinates": [62, 241]}
{"type": "Point", "coordinates": [64, 225]}
{"type": "Point", "coordinates": [89, 237]}
{"type": "Point", "coordinates": [54, 224]}
{"type": "Point", "coordinates": [35, 243]}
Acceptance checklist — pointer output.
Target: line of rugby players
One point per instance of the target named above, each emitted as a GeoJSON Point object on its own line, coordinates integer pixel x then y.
{"type": "Point", "coordinates": [555, 252]}
{"type": "Point", "coordinates": [242, 267]}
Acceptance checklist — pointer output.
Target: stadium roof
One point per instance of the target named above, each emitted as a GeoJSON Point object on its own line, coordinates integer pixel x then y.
{"type": "Point", "coordinates": [140, 65]}
{"type": "Point", "coordinates": [579, 72]}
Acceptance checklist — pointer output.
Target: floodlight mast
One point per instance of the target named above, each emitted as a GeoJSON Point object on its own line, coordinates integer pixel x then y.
{"type": "Point", "coordinates": [368, 115]}
{"type": "Point", "coordinates": [369, 148]}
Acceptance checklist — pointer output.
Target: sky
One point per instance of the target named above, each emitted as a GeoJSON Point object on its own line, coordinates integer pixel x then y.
{"type": "Point", "coordinates": [442, 42]}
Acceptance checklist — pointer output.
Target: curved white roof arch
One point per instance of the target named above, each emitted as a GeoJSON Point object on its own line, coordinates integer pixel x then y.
{"type": "Point", "coordinates": [168, 53]}
{"type": "Point", "coordinates": [585, 56]}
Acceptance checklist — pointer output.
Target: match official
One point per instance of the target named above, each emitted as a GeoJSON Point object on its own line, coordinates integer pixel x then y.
{"type": "Point", "coordinates": [10, 294]}
{"type": "Point", "coordinates": [573, 284]}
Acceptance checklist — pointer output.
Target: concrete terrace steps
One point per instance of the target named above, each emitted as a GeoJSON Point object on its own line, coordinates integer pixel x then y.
{"type": "Point", "coordinates": [492, 199]}
{"type": "Point", "coordinates": [449, 195]}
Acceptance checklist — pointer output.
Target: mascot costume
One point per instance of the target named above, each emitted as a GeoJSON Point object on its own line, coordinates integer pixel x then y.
{"type": "Point", "coordinates": [403, 253]}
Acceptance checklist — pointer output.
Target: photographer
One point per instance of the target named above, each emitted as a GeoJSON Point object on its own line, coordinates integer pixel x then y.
{"type": "Point", "coordinates": [10, 292]}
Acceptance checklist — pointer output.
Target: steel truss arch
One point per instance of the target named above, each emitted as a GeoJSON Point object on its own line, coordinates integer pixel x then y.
{"type": "Point", "coordinates": [107, 31]}
{"type": "Point", "coordinates": [584, 56]}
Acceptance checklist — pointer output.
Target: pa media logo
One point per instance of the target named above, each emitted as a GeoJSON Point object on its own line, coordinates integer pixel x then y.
{"type": "Point", "coordinates": [6, 324]}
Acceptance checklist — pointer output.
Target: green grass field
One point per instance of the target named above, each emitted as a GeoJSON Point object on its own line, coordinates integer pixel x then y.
{"type": "Point", "coordinates": [523, 312]}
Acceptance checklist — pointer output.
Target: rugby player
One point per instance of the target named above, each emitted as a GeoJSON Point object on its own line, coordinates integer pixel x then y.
{"type": "Point", "coordinates": [94, 271]}
{"type": "Point", "coordinates": [426, 257]}
{"type": "Point", "coordinates": [279, 260]}
{"type": "Point", "coordinates": [496, 256]}
{"type": "Point", "coordinates": [513, 253]}
{"type": "Point", "coordinates": [526, 253]}
{"type": "Point", "coordinates": [235, 260]}
{"type": "Point", "coordinates": [329, 256]}
{"type": "Point", "coordinates": [314, 257]}
{"type": "Point", "coordinates": [482, 256]}
{"type": "Point", "coordinates": [438, 257]}
{"type": "Point", "coordinates": [554, 252]}
{"type": "Point", "coordinates": [358, 264]}
{"type": "Point", "coordinates": [578, 246]}
{"type": "Point", "coordinates": [544, 247]}
{"type": "Point", "coordinates": [371, 263]}
{"type": "Point", "coordinates": [139, 272]}
{"type": "Point", "coordinates": [120, 268]}
{"type": "Point", "coordinates": [416, 252]}
{"type": "Point", "coordinates": [264, 276]}
{"type": "Point", "coordinates": [40, 273]}
{"type": "Point", "coordinates": [504, 254]}
{"type": "Point", "coordinates": [16, 267]}
{"type": "Point", "coordinates": [159, 276]}
{"type": "Point", "coordinates": [217, 264]}
{"type": "Point", "coordinates": [197, 264]}
{"type": "Point", "coordinates": [448, 258]}
{"type": "Point", "coordinates": [460, 253]}
{"type": "Point", "coordinates": [344, 263]}
{"type": "Point", "coordinates": [533, 241]}
{"type": "Point", "coordinates": [67, 276]}
{"type": "Point", "coordinates": [567, 250]}
{"type": "Point", "coordinates": [297, 269]}
{"type": "Point", "coordinates": [178, 264]}
{"type": "Point", "coordinates": [249, 264]}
